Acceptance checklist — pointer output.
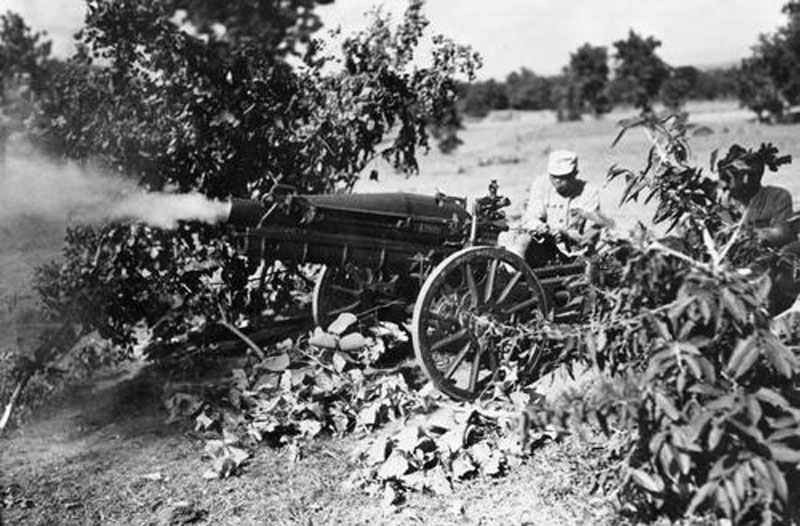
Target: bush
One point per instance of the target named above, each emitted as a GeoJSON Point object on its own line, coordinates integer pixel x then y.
{"type": "Point", "coordinates": [769, 82]}
{"type": "Point", "coordinates": [711, 410]}
{"type": "Point", "coordinates": [226, 116]}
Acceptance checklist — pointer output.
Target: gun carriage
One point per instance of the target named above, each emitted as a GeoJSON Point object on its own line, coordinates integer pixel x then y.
{"type": "Point", "coordinates": [399, 256]}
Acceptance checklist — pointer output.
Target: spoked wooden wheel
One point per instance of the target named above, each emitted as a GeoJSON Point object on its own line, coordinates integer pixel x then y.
{"type": "Point", "coordinates": [348, 289]}
{"type": "Point", "coordinates": [465, 298]}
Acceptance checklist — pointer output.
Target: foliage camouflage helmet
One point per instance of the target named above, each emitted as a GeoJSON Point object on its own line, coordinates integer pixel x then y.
{"type": "Point", "coordinates": [738, 159]}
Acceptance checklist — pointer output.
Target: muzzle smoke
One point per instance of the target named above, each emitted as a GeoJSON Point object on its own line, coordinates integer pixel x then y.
{"type": "Point", "coordinates": [32, 187]}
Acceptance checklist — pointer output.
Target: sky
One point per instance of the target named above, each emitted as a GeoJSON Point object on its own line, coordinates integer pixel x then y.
{"type": "Point", "coordinates": [537, 34]}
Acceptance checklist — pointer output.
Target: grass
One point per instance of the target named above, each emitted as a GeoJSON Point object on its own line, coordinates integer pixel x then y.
{"type": "Point", "coordinates": [83, 459]}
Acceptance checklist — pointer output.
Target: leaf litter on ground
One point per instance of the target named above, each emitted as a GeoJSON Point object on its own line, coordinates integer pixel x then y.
{"type": "Point", "coordinates": [324, 385]}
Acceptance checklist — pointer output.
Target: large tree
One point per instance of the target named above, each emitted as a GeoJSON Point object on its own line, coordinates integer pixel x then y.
{"type": "Point", "coordinates": [172, 104]}
{"type": "Point", "coordinates": [588, 70]}
{"type": "Point", "coordinates": [529, 91]}
{"type": "Point", "coordinates": [770, 79]}
{"type": "Point", "coordinates": [24, 60]}
{"type": "Point", "coordinates": [639, 71]}
{"type": "Point", "coordinates": [680, 85]}
{"type": "Point", "coordinates": [277, 27]}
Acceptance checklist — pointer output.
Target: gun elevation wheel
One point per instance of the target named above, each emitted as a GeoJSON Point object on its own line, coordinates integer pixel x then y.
{"type": "Point", "coordinates": [461, 305]}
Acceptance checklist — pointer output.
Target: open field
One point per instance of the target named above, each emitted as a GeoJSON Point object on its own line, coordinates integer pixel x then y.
{"type": "Point", "coordinates": [104, 454]}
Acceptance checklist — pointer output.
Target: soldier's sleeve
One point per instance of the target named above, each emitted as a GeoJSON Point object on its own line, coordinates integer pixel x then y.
{"type": "Point", "coordinates": [593, 199]}
{"type": "Point", "coordinates": [535, 215]}
{"type": "Point", "coordinates": [589, 200]}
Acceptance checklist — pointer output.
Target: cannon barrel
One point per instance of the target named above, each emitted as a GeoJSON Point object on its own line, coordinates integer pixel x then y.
{"type": "Point", "coordinates": [245, 212]}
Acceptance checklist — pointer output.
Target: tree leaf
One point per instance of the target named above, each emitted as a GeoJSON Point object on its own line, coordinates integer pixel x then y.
{"type": "Point", "coordinates": [339, 361]}
{"type": "Point", "coordinates": [733, 305]}
{"type": "Point", "coordinates": [778, 480]}
{"type": "Point", "coordinates": [740, 481]}
{"type": "Point", "coordinates": [730, 490]}
{"type": "Point", "coordinates": [684, 462]}
{"type": "Point", "coordinates": [712, 162]}
{"type": "Point", "coordinates": [394, 467]}
{"type": "Point", "coordinates": [463, 467]}
{"type": "Point", "coordinates": [341, 323]}
{"type": "Point", "coordinates": [781, 358]}
{"type": "Point", "coordinates": [743, 356]}
{"type": "Point", "coordinates": [377, 451]}
{"type": "Point", "coordinates": [707, 490]}
{"type": "Point", "coordinates": [353, 342]}
{"type": "Point", "coordinates": [753, 409]}
{"type": "Point", "coordinates": [276, 364]}
{"type": "Point", "coordinates": [782, 453]}
{"type": "Point", "coordinates": [715, 436]}
{"type": "Point", "coordinates": [667, 459]}
{"type": "Point", "coordinates": [783, 434]}
{"type": "Point", "coordinates": [644, 480]}
{"type": "Point", "coordinates": [750, 431]}
{"type": "Point", "coordinates": [323, 339]}
{"type": "Point", "coordinates": [667, 407]}
{"type": "Point", "coordinates": [694, 365]}
{"type": "Point", "coordinates": [771, 397]}
{"type": "Point", "coordinates": [723, 502]}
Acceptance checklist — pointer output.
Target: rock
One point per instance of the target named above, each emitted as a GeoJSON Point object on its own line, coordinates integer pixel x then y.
{"type": "Point", "coordinates": [181, 512]}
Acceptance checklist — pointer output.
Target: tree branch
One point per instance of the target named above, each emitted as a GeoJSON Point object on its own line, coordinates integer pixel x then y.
{"type": "Point", "coordinates": [242, 336]}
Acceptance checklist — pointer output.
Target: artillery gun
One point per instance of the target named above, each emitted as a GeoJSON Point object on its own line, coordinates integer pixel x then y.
{"type": "Point", "coordinates": [401, 255]}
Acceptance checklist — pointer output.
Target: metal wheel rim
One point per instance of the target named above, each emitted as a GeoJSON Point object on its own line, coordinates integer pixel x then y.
{"type": "Point", "coordinates": [424, 348]}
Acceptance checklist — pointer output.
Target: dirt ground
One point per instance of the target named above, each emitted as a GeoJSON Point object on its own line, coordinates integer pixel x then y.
{"type": "Point", "coordinates": [105, 453]}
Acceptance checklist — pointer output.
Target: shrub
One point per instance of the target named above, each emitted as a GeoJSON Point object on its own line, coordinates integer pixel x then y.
{"type": "Point", "coordinates": [712, 412]}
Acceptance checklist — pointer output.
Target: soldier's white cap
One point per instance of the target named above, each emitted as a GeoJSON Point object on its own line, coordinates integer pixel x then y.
{"type": "Point", "coordinates": [562, 163]}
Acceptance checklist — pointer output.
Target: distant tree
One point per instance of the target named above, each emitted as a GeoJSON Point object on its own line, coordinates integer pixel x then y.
{"type": "Point", "coordinates": [619, 90]}
{"type": "Point", "coordinates": [759, 91]}
{"type": "Point", "coordinates": [24, 61]}
{"type": "Point", "coordinates": [716, 83]}
{"type": "Point", "coordinates": [639, 71]}
{"type": "Point", "coordinates": [770, 78]}
{"type": "Point", "coordinates": [567, 99]}
{"type": "Point", "coordinates": [679, 87]}
{"type": "Point", "coordinates": [588, 71]}
{"type": "Point", "coordinates": [529, 91]}
{"type": "Point", "coordinates": [477, 99]}
{"type": "Point", "coordinates": [24, 55]}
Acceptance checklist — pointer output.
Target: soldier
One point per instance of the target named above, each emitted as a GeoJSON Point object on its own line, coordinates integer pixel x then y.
{"type": "Point", "coordinates": [767, 210]}
{"type": "Point", "coordinates": [560, 204]}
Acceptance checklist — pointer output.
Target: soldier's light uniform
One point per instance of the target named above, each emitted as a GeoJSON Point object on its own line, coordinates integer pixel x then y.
{"type": "Point", "coordinates": [547, 209]}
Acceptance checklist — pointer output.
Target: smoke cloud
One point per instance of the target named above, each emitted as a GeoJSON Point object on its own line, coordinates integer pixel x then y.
{"type": "Point", "coordinates": [68, 192]}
